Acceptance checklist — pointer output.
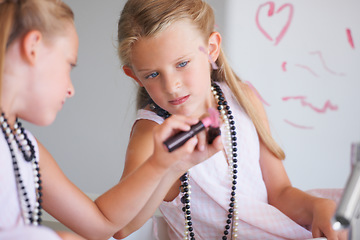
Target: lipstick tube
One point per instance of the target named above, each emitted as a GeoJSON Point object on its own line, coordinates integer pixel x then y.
{"type": "Point", "coordinates": [179, 139]}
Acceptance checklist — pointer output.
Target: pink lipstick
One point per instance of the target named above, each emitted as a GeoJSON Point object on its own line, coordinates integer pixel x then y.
{"type": "Point", "coordinates": [180, 138]}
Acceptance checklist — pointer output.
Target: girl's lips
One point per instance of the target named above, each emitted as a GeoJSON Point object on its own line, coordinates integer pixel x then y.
{"type": "Point", "coordinates": [180, 100]}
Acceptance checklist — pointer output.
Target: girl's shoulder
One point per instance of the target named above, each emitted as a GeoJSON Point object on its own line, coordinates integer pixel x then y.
{"type": "Point", "coordinates": [148, 115]}
{"type": "Point", "coordinates": [143, 126]}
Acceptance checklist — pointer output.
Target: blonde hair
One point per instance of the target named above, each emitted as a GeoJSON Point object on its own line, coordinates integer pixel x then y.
{"type": "Point", "coordinates": [18, 17]}
{"type": "Point", "coordinates": [146, 18]}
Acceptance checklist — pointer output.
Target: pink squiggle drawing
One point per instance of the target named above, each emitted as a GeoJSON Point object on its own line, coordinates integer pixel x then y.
{"type": "Point", "coordinates": [296, 125]}
{"type": "Point", "coordinates": [257, 93]}
{"type": "Point", "coordinates": [349, 37]}
{"type": "Point", "coordinates": [324, 64]}
{"type": "Point", "coordinates": [307, 68]}
{"type": "Point", "coordinates": [213, 64]}
{"type": "Point", "coordinates": [283, 66]}
{"type": "Point", "coordinates": [271, 13]}
{"type": "Point", "coordinates": [327, 104]}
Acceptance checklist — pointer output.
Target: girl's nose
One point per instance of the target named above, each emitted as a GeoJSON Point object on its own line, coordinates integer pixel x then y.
{"type": "Point", "coordinates": [70, 90]}
{"type": "Point", "coordinates": [172, 84]}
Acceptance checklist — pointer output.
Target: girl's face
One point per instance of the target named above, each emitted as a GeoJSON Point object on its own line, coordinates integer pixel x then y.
{"type": "Point", "coordinates": [51, 83]}
{"type": "Point", "coordinates": [173, 69]}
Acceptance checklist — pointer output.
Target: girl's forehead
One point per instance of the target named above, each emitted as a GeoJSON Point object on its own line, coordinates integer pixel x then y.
{"type": "Point", "coordinates": [178, 33]}
{"type": "Point", "coordinates": [180, 40]}
{"type": "Point", "coordinates": [185, 29]}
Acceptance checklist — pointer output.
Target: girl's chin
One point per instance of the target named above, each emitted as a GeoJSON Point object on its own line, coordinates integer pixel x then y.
{"type": "Point", "coordinates": [44, 121]}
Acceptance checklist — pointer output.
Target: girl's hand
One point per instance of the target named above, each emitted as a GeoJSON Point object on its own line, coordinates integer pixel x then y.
{"type": "Point", "coordinates": [69, 236]}
{"type": "Point", "coordinates": [324, 210]}
{"type": "Point", "coordinates": [194, 151]}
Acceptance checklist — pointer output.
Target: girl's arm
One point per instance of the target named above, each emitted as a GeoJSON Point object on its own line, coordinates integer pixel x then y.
{"type": "Point", "coordinates": [68, 204]}
{"type": "Point", "coordinates": [301, 207]}
{"type": "Point", "coordinates": [118, 206]}
{"type": "Point", "coordinates": [168, 188]}
{"type": "Point", "coordinates": [69, 236]}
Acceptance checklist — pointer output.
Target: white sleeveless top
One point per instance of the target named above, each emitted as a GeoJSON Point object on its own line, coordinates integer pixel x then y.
{"type": "Point", "coordinates": [12, 224]}
{"type": "Point", "coordinates": [211, 187]}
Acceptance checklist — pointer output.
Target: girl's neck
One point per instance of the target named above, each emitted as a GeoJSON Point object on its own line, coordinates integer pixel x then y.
{"type": "Point", "coordinates": [11, 118]}
{"type": "Point", "coordinates": [211, 102]}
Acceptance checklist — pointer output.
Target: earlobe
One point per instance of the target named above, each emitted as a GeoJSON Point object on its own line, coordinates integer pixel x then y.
{"type": "Point", "coordinates": [214, 45]}
{"type": "Point", "coordinates": [30, 46]}
{"type": "Point", "coordinates": [129, 72]}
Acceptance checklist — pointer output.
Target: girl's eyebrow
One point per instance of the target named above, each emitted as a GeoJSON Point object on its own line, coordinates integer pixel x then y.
{"type": "Point", "coordinates": [174, 61]}
{"type": "Point", "coordinates": [144, 70]}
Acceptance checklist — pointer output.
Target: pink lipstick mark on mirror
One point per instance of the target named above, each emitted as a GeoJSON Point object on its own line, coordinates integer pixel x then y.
{"type": "Point", "coordinates": [213, 64]}
{"type": "Point", "coordinates": [325, 65]}
{"type": "Point", "coordinates": [257, 93]}
{"type": "Point", "coordinates": [349, 37]}
{"type": "Point", "coordinates": [327, 105]}
{"type": "Point", "coordinates": [297, 125]}
{"type": "Point", "coordinates": [307, 68]}
{"type": "Point", "coordinates": [270, 14]}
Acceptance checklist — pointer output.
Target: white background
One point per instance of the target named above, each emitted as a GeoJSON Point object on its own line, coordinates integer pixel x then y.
{"type": "Point", "coordinates": [314, 60]}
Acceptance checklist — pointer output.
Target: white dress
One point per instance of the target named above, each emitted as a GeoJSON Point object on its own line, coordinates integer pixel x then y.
{"type": "Point", "coordinates": [12, 225]}
{"type": "Point", "coordinates": [211, 187]}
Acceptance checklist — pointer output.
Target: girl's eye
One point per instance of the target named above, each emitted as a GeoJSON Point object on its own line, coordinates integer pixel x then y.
{"type": "Point", "coordinates": [152, 75]}
{"type": "Point", "coordinates": [183, 64]}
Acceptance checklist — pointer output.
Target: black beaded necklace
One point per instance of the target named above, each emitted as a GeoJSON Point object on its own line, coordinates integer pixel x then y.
{"type": "Point", "coordinates": [19, 138]}
{"type": "Point", "coordinates": [228, 119]}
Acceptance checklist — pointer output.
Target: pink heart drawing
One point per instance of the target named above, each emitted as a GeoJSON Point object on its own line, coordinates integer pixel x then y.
{"type": "Point", "coordinates": [270, 14]}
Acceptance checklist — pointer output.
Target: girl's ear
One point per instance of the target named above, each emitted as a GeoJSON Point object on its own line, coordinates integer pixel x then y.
{"type": "Point", "coordinates": [30, 46]}
{"type": "Point", "coordinates": [214, 45]}
{"type": "Point", "coordinates": [129, 72]}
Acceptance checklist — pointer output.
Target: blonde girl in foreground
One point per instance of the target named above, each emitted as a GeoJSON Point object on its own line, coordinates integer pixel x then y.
{"type": "Point", "coordinates": [38, 49]}
{"type": "Point", "coordinates": [170, 48]}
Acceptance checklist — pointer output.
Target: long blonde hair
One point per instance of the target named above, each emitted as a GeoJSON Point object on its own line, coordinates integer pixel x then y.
{"type": "Point", "coordinates": [17, 17]}
{"type": "Point", "coordinates": [146, 18]}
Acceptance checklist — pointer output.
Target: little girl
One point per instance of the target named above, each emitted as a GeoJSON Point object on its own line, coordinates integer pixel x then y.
{"type": "Point", "coordinates": [38, 49]}
{"type": "Point", "coordinates": [170, 48]}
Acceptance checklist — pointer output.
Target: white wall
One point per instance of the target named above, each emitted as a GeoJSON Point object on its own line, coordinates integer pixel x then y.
{"type": "Point", "coordinates": [314, 59]}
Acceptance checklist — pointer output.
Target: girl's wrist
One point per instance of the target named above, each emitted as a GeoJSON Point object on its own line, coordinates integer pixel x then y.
{"type": "Point", "coordinates": [324, 207]}
{"type": "Point", "coordinates": [156, 166]}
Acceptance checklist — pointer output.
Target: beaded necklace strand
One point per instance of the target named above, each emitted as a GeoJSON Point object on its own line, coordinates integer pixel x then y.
{"type": "Point", "coordinates": [18, 139]}
{"type": "Point", "coordinates": [231, 155]}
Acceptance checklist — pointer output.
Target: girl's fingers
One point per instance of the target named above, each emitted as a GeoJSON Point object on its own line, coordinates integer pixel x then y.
{"type": "Point", "coordinates": [316, 233]}
{"type": "Point", "coordinates": [189, 146]}
{"type": "Point", "coordinates": [217, 144]}
{"type": "Point", "coordinates": [328, 233]}
{"type": "Point", "coordinates": [192, 152]}
{"type": "Point", "coordinates": [172, 125]}
{"type": "Point", "coordinates": [202, 141]}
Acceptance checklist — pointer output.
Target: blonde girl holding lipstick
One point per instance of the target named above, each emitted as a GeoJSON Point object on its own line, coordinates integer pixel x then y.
{"type": "Point", "coordinates": [170, 48]}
